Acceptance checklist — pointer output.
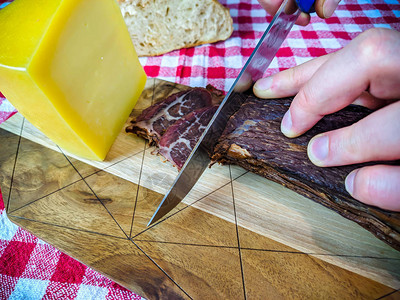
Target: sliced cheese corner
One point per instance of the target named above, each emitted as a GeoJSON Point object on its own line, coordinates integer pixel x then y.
{"type": "Point", "coordinates": [70, 68]}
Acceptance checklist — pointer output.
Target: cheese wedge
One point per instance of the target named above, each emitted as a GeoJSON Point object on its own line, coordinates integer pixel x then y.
{"type": "Point", "coordinates": [70, 68]}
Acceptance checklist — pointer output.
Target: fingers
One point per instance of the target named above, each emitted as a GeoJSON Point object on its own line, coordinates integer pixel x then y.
{"type": "Point", "coordinates": [374, 138]}
{"type": "Point", "coordinates": [376, 185]}
{"type": "Point", "coordinates": [370, 61]}
{"type": "Point", "coordinates": [336, 84]}
{"type": "Point", "coordinates": [303, 19]}
{"type": "Point", "coordinates": [271, 6]}
{"type": "Point", "coordinates": [325, 9]}
{"type": "Point", "coordinates": [244, 83]}
{"type": "Point", "coordinates": [288, 82]}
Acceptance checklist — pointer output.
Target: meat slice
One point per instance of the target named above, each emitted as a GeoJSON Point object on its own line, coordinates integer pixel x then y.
{"type": "Point", "coordinates": [179, 139]}
{"type": "Point", "coordinates": [252, 139]}
{"type": "Point", "coordinates": [154, 120]}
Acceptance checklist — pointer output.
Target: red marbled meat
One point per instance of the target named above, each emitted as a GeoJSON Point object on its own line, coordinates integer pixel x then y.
{"type": "Point", "coordinates": [154, 120]}
{"type": "Point", "coordinates": [178, 141]}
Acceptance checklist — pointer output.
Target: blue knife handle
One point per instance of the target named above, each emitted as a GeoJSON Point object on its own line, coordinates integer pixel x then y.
{"type": "Point", "coordinates": [306, 6]}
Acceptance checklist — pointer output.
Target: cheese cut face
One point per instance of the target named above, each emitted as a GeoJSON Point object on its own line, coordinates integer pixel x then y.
{"type": "Point", "coordinates": [70, 68]}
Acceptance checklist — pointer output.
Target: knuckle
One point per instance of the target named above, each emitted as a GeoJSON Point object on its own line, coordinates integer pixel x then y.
{"type": "Point", "coordinates": [378, 186]}
{"type": "Point", "coordinates": [365, 188]}
{"type": "Point", "coordinates": [370, 189]}
{"type": "Point", "coordinates": [373, 185]}
{"type": "Point", "coordinates": [294, 77]}
{"type": "Point", "coordinates": [374, 45]}
{"type": "Point", "coordinates": [286, 81]}
{"type": "Point", "coordinates": [306, 100]}
{"type": "Point", "coordinates": [352, 143]}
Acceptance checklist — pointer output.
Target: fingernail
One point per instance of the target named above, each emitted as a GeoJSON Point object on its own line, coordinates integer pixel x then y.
{"type": "Point", "coordinates": [263, 83]}
{"type": "Point", "coordinates": [318, 149]}
{"type": "Point", "coordinates": [349, 182]}
{"type": "Point", "coordinates": [329, 7]}
{"type": "Point", "coordinates": [286, 125]}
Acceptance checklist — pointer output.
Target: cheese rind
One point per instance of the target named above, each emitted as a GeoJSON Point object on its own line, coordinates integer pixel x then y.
{"type": "Point", "coordinates": [82, 78]}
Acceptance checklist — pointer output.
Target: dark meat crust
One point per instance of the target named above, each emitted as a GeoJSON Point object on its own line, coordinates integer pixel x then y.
{"type": "Point", "coordinates": [252, 140]}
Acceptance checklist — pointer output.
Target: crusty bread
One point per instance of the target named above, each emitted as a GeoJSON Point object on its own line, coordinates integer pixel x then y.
{"type": "Point", "coordinates": [160, 26]}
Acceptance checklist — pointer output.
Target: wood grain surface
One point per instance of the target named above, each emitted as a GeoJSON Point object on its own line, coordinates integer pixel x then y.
{"type": "Point", "coordinates": [236, 234]}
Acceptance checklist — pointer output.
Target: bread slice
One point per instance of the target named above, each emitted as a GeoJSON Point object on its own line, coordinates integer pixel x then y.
{"type": "Point", "coordinates": [160, 26]}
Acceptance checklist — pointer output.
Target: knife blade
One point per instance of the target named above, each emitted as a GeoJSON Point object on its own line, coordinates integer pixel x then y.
{"type": "Point", "coordinates": [253, 70]}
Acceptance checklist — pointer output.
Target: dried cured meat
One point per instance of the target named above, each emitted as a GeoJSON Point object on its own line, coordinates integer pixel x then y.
{"type": "Point", "coordinates": [179, 139]}
{"type": "Point", "coordinates": [154, 120]}
{"type": "Point", "coordinates": [252, 139]}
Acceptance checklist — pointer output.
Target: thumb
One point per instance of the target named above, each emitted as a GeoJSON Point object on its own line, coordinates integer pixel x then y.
{"type": "Point", "coordinates": [377, 185]}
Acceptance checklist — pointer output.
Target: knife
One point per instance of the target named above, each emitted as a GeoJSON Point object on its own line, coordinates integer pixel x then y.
{"type": "Point", "coordinates": [253, 70]}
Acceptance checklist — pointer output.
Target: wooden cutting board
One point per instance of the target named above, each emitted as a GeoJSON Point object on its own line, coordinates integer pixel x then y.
{"type": "Point", "coordinates": [235, 234]}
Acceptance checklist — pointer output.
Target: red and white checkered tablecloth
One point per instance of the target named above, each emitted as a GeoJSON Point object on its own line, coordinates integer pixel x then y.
{"type": "Point", "coordinates": [32, 269]}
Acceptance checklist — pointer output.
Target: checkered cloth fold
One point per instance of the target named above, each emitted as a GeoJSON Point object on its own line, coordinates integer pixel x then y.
{"type": "Point", "coordinates": [32, 269]}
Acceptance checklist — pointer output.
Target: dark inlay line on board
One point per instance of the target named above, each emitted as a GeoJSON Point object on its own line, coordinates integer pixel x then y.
{"type": "Point", "coordinates": [97, 197]}
{"type": "Point", "coordinates": [189, 205]}
{"type": "Point", "coordinates": [161, 269]}
{"type": "Point", "coordinates": [237, 234]}
{"type": "Point", "coordinates": [45, 196]}
{"type": "Point", "coordinates": [15, 163]}
{"type": "Point", "coordinates": [67, 227]}
{"type": "Point", "coordinates": [389, 294]}
{"type": "Point", "coordinates": [137, 191]}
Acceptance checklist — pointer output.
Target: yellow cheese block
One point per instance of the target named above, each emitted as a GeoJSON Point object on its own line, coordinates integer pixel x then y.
{"type": "Point", "coordinates": [70, 68]}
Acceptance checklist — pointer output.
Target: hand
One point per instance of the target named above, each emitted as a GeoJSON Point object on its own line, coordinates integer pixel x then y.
{"type": "Point", "coordinates": [323, 8]}
{"type": "Point", "coordinates": [365, 72]}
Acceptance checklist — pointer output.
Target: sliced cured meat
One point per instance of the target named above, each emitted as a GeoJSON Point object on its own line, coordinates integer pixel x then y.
{"type": "Point", "coordinates": [154, 121]}
{"type": "Point", "coordinates": [252, 139]}
{"type": "Point", "coordinates": [179, 139]}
